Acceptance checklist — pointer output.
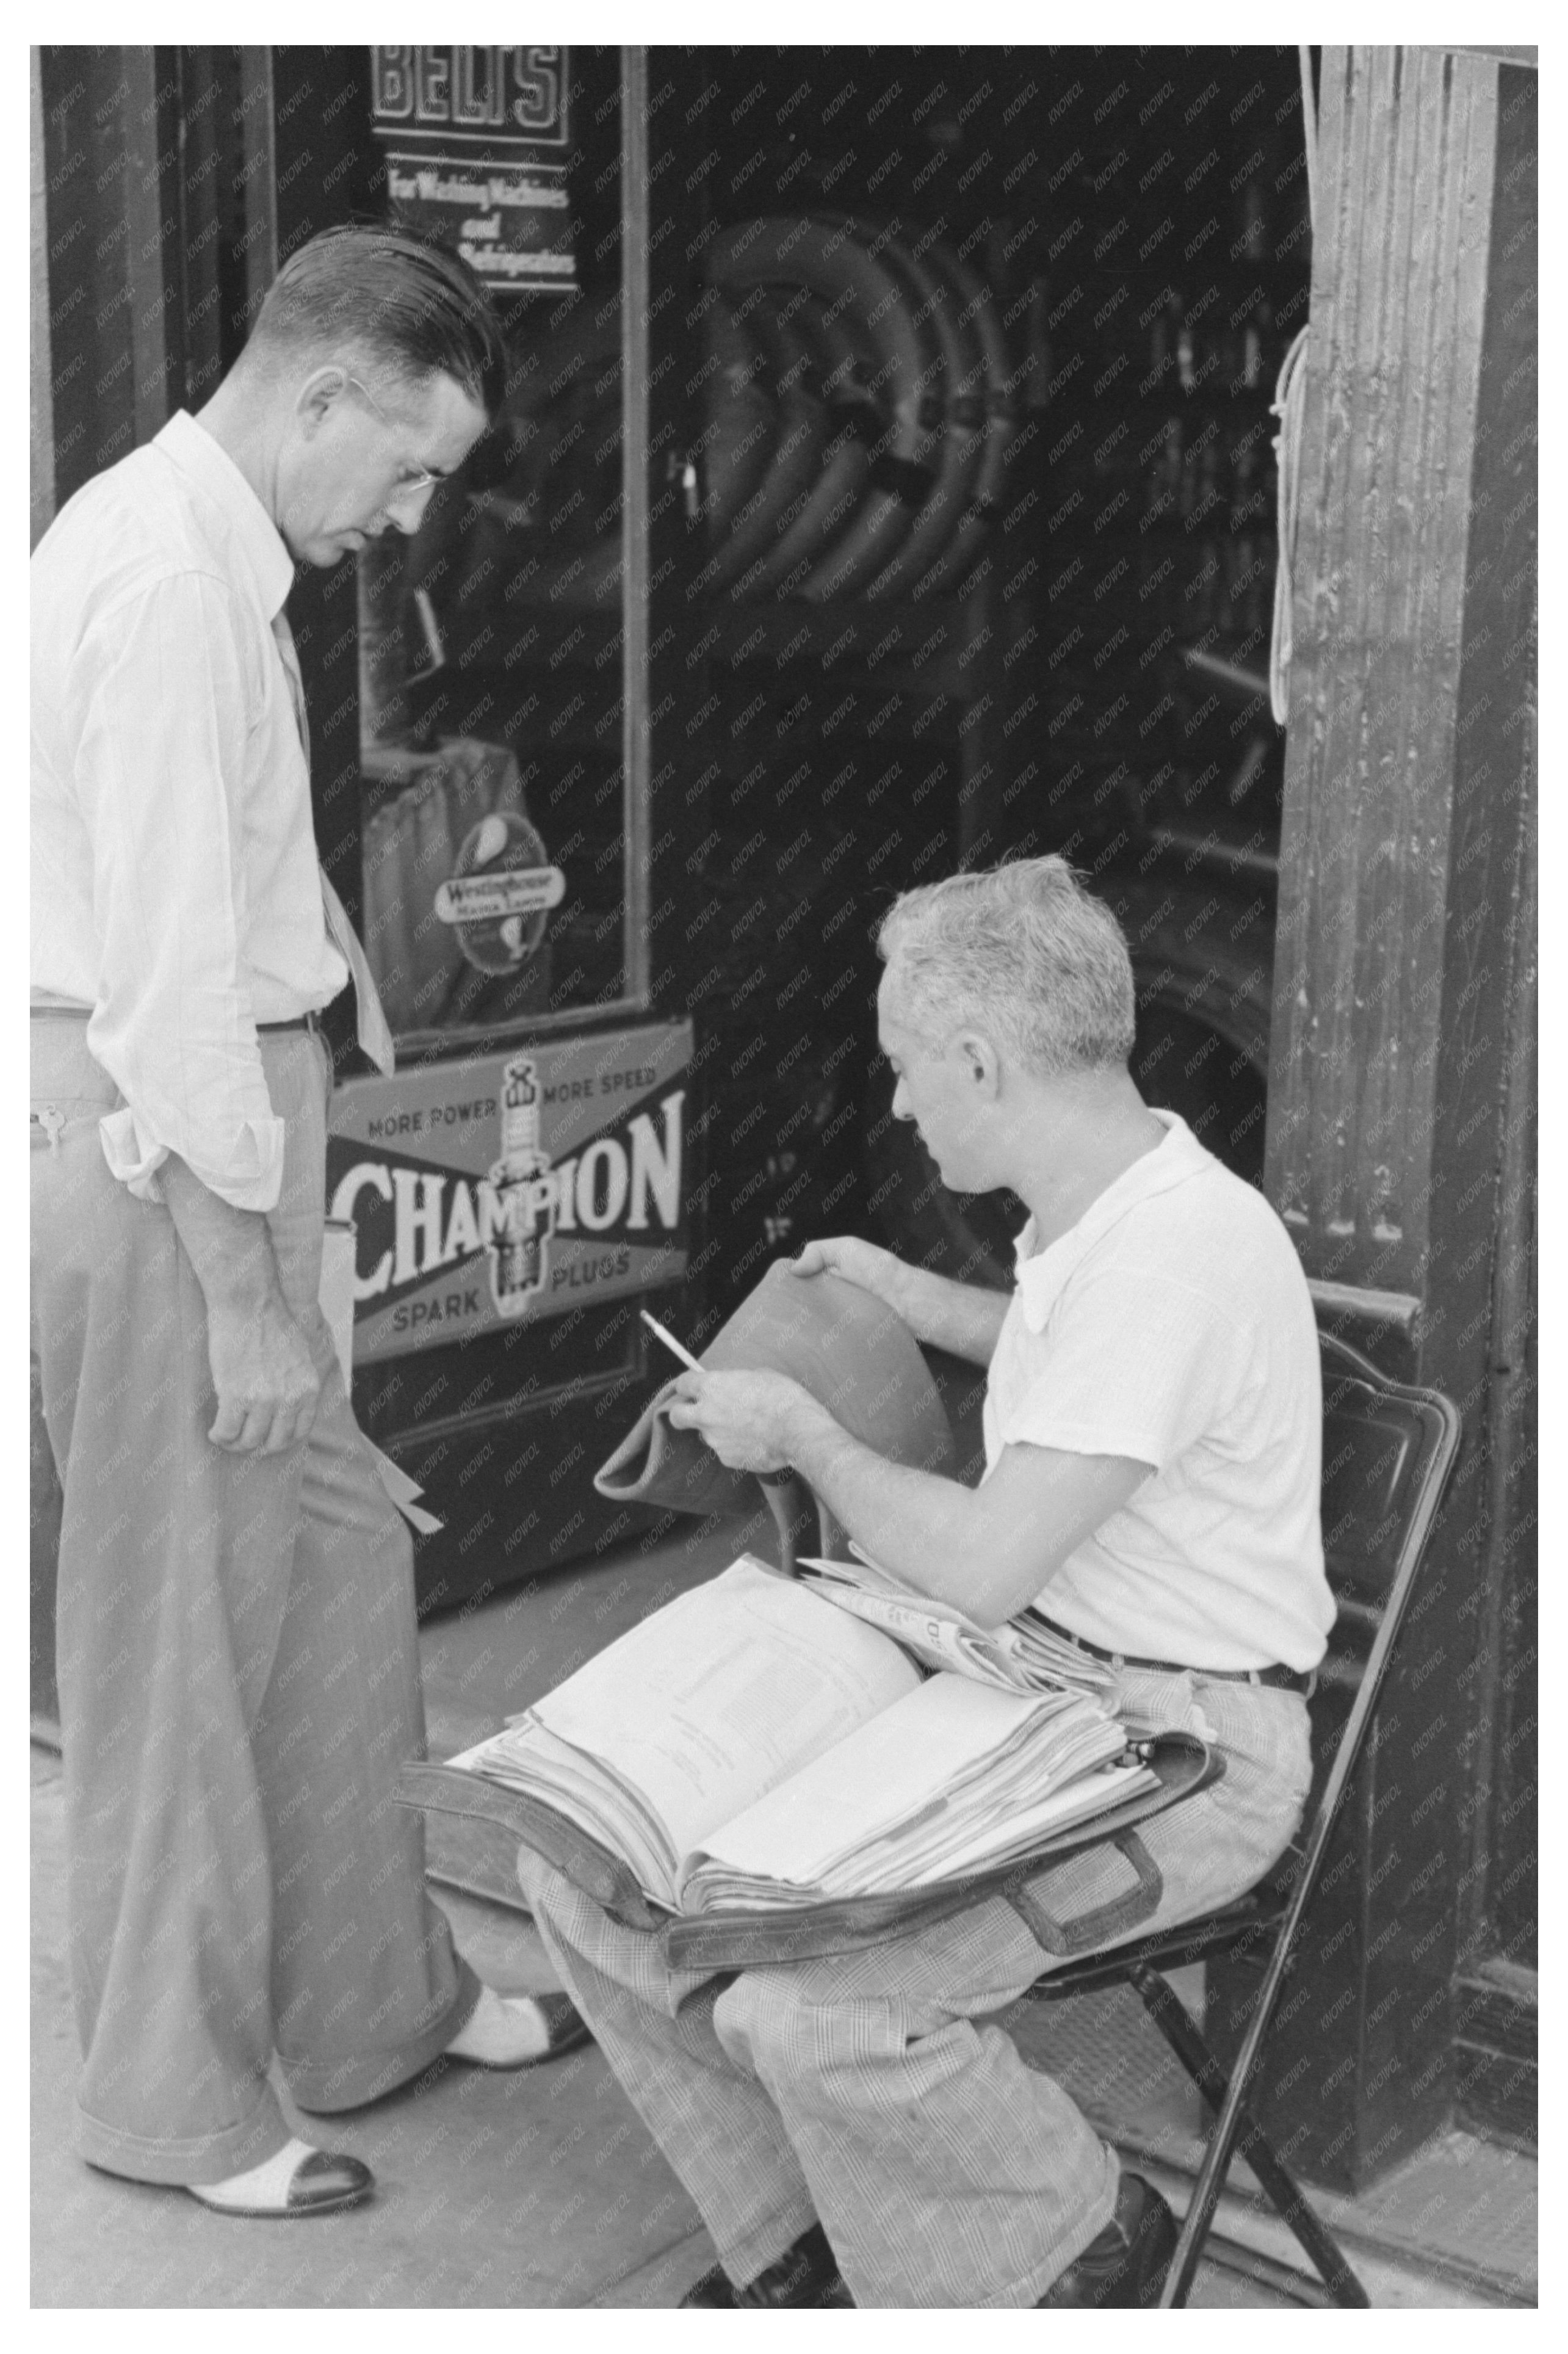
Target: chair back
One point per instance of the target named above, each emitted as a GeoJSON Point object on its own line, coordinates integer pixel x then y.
{"type": "Point", "coordinates": [1388, 1450]}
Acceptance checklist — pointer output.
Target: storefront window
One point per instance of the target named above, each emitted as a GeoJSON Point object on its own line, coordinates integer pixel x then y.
{"type": "Point", "coordinates": [503, 768]}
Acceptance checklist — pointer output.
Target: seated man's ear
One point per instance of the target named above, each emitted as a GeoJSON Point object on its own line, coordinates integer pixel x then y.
{"type": "Point", "coordinates": [980, 1059]}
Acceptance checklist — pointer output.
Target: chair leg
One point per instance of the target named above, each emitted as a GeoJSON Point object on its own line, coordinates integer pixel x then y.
{"type": "Point", "coordinates": [1171, 2016]}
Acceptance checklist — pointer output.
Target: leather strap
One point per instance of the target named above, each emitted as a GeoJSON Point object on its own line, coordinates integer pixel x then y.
{"type": "Point", "coordinates": [1276, 1678]}
{"type": "Point", "coordinates": [1103, 1921]}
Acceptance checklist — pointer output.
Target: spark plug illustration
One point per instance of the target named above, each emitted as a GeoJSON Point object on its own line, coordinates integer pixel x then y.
{"type": "Point", "coordinates": [525, 1191]}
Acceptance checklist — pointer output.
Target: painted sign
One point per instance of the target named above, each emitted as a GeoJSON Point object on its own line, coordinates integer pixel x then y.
{"type": "Point", "coordinates": [507, 102]}
{"type": "Point", "coordinates": [476, 140]}
{"type": "Point", "coordinates": [512, 1187]}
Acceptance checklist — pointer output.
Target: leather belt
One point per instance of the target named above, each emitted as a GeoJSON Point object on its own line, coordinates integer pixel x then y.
{"type": "Point", "coordinates": [84, 1013]}
{"type": "Point", "coordinates": [1278, 1678]}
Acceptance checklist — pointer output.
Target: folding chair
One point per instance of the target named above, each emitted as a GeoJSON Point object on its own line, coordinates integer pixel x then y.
{"type": "Point", "coordinates": [1387, 1453]}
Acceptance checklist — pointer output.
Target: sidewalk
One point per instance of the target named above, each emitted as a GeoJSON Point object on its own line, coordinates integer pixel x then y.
{"type": "Point", "coordinates": [543, 2189]}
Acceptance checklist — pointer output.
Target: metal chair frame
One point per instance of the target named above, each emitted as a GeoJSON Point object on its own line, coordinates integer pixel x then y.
{"type": "Point", "coordinates": [1414, 1491]}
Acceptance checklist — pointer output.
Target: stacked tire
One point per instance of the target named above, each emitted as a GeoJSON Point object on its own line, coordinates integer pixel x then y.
{"type": "Point", "coordinates": [858, 421]}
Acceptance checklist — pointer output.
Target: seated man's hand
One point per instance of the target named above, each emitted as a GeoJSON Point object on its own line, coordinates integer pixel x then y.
{"type": "Point", "coordinates": [866, 1264]}
{"type": "Point", "coordinates": [744, 1417]}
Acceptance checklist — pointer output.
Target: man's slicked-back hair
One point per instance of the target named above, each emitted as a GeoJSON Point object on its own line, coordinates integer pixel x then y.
{"type": "Point", "coordinates": [1022, 950]}
{"type": "Point", "coordinates": [412, 304]}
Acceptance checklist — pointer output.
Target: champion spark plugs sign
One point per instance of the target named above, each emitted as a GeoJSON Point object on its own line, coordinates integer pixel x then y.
{"type": "Point", "coordinates": [516, 1187]}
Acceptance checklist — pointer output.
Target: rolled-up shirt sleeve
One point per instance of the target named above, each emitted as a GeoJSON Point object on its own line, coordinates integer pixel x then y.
{"type": "Point", "coordinates": [159, 770]}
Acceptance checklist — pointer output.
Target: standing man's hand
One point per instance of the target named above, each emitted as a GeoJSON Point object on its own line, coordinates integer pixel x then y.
{"type": "Point", "coordinates": [261, 1366]}
{"type": "Point", "coordinates": [262, 1370]}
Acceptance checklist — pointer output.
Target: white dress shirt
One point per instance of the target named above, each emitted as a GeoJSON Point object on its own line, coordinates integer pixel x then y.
{"type": "Point", "coordinates": [176, 886]}
{"type": "Point", "coordinates": [1173, 1325]}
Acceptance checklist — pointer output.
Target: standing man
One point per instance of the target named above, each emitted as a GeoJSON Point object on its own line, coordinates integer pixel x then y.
{"type": "Point", "coordinates": [1153, 1433]}
{"type": "Point", "coordinates": [239, 1675]}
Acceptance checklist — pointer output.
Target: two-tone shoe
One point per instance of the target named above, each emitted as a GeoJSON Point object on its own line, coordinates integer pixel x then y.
{"type": "Point", "coordinates": [296, 2181]}
{"type": "Point", "coordinates": [502, 2033]}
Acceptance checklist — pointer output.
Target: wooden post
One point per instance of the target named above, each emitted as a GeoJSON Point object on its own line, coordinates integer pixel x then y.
{"type": "Point", "coordinates": [1403, 851]}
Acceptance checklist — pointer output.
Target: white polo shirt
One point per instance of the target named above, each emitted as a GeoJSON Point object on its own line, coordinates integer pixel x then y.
{"type": "Point", "coordinates": [1173, 1324]}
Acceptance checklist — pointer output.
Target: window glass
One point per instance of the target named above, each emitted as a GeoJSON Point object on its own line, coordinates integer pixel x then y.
{"type": "Point", "coordinates": [499, 801]}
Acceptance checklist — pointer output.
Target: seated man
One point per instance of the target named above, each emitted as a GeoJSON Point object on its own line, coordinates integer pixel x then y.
{"type": "Point", "coordinates": [1152, 1429]}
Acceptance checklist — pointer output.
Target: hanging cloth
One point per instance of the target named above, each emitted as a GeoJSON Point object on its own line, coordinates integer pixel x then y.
{"type": "Point", "coordinates": [1290, 407]}
{"type": "Point", "coordinates": [376, 1038]}
{"type": "Point", "coordinates": [374, 1033]}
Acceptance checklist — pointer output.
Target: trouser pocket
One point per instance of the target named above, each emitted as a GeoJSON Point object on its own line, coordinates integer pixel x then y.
{"type": "Point", "coordinates": [51, 1119]}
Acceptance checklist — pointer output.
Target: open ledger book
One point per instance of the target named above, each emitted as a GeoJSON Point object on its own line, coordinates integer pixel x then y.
{"type": "Point", "coordinates": [751, 1748]}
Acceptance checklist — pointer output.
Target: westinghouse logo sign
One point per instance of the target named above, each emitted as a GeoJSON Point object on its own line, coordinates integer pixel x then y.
{"type": "Point", "coordinates": [514, 1186]}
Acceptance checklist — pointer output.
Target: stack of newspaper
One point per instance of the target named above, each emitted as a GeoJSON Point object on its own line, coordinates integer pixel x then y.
{"type": "Point", "coordinates": [1024, 1654]}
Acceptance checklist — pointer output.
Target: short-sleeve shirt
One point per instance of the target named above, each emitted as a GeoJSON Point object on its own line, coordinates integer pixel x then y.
{"type": "Point", "coordinates": [1172, 1324]}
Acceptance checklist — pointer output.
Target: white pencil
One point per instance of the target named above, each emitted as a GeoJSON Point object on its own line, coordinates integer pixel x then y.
{"type": "Point", "coordinates": [669, 1340]}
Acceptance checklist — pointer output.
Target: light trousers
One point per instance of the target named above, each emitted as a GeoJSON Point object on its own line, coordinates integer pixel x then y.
{"type": "Point", "coordinates": [864, 2090]}
{"type": "Point", "coordinates": [238, 1681]}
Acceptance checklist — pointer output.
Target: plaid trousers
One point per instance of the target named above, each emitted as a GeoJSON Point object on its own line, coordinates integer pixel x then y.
{"type": "Point", "coordinates": [859, 2091]}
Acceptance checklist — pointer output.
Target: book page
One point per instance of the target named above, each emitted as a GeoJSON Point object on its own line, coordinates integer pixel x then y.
{"type": "Point", "coordinates": [724, 1692]}
{"type": "Point", "coordinates": [886, 1775]}
{"type": "Point", "coordinates": [1078, 1801]}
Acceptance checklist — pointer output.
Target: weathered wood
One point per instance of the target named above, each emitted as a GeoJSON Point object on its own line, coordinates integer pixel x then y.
{"type": "Point", "coordinates": [1394, 373]}
{"type": "Point", "coordinates": [1487, 1082]}
{"type": "Point", "coordinates": [1405, 864]}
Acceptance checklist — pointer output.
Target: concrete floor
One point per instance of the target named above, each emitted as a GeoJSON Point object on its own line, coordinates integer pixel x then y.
{"type": "Point", "coordinates": [536, 2189]}
{"type": "Point", "coordinates": [540, 2188]}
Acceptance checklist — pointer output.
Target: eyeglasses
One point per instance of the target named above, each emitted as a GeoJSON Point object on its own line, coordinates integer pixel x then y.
{"type": "Point", "coordinates": [410, 478]}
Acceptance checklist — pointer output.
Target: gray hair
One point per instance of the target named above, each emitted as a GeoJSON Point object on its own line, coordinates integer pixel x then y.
{"type": "Point", "coordinates": [1022, 950]}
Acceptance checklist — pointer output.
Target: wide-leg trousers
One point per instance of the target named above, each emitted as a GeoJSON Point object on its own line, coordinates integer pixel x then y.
{"type": "Point", "coordinates": [860, 2090]}
{"type": "Point", "coordinates": [238, 1681]}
